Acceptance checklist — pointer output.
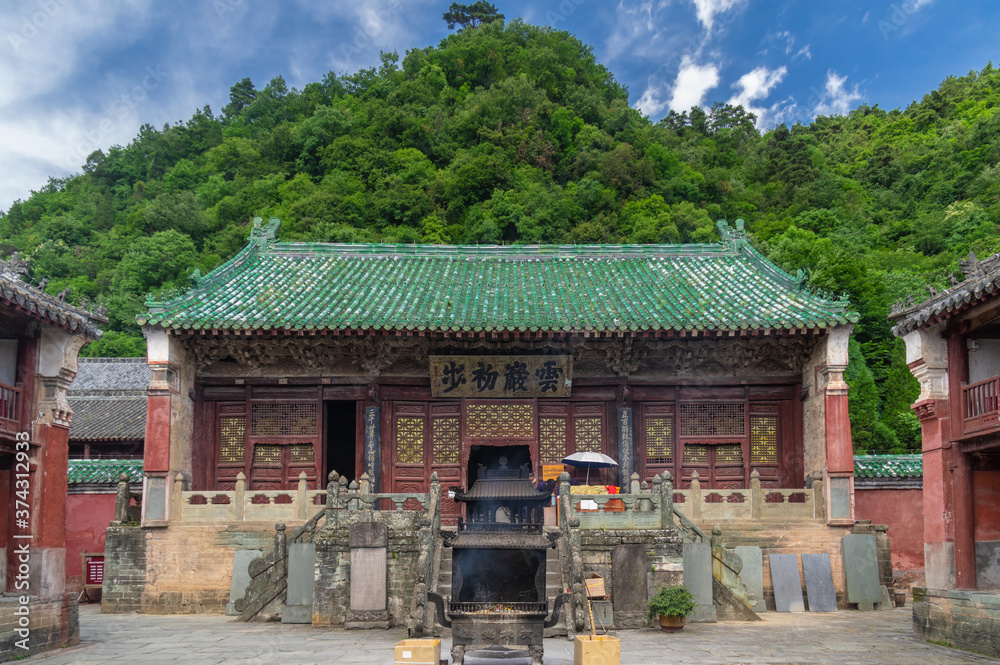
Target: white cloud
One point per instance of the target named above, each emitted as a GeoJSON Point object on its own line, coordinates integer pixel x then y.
{"type": "Point", "coordinates": [802, 53]}
{"type": "Point", "coordinates": [689, 89]}
{"type": "Point", "coordinates": [692, 84]}
{"type": "Point", "coordinates": [755, 86]}
{"type": "Point", "coordinates": [836, 99]}
{"type": "Point", "coordinates": [706, 10]}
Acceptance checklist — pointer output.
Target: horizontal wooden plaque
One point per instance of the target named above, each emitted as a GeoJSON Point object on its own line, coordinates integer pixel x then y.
{"type": "Point", "coordinates": [552, 471]}
{"type": "Point", "coordinates": [501, 376]}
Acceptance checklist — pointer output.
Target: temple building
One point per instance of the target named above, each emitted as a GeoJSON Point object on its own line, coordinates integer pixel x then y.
{"type": "Point", "coordinates": [391, 365]}
{"type": "Point", "coordinates": [40, 340]}
{"type": "Point", "coordinates": [953, 349]}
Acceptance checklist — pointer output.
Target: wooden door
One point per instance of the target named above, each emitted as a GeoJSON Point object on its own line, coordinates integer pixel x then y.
{"type": "Point", "coordinates": [446, 454]}
{"type": "Point", "coordinates": [409, 460]}
{"type": "Point", "coordinates": [712, 439]}
{"type": "Point", "coordinates": [284, 441]}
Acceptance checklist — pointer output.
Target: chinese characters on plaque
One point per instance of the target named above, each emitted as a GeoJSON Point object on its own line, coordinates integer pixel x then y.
{"type": "Point", "coordinates": [501, 376]}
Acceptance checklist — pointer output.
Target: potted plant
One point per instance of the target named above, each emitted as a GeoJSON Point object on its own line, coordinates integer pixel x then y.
{"type": "Point", "coordinates": [671, 605]}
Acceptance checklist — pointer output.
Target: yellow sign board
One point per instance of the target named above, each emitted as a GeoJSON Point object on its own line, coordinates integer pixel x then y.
{"type": "Point", "coordinates": [552, 471]}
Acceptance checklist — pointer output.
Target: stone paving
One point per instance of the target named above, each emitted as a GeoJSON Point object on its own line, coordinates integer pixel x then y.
{"type": "Point", "coordinates": [841, 638]}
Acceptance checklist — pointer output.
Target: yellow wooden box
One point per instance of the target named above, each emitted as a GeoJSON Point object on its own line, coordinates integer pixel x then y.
{"type": "Point", "coordinates": [596, 650]}
{"type": "Point", "coordinates": [418, 652]}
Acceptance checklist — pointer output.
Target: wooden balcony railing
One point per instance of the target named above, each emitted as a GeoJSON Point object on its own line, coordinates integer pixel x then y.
{"type": "Point", "coordinates": [981, 406]}
{"type": "Point", "coordinates": [10, 409]}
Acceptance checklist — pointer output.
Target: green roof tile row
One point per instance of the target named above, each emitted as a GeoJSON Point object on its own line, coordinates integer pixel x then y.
{"type": "Point", "coordinates": [888, 466]}
{"type": "Point", "coordinates": [310, 286]}
{"type": "Point", "coordinates": [104, 471]}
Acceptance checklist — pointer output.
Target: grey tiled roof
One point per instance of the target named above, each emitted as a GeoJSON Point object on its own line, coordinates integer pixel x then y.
{"type": "Point", "coordinates": [982, 282]}
{"type": "Point", "coordinates": [107, 418]}
{"type": "Point", "coordinates": [114, 374]}
{"type": "Point", "coordinates": [108, 398]}
{"type": "Point", "coordinates": [41, 306]}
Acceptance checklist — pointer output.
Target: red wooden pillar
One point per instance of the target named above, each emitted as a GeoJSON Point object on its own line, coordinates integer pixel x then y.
{"type": "Point", "coordinates": [959, 466]}
{"type": "Point", "coordinates": [938, 495]}
{"type": "Point", "coordinates": [48, 526]}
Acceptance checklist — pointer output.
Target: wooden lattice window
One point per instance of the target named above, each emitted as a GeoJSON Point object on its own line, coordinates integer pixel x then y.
{"type": "Point", "coordinates": [301, 453]}
{"type": "Point", "coordinates": [552, 439]}
{"type": "Point", "coordinates": [729, 453]}
{"type": "Point", "coordinates": [660, 440]}
{"type": "Point", "coordinates": [587, 434]}
{"type": "Point", "coordinates": [695, 453]}
{"type": "Point", "coordinates": [409, 440]}
{"type": "Point", "coordinates": [267, 453]}
{"type": "Point", "coordinates": [763, 440]}
{"type": "Point", "coordinates": [445, 440]}
{"type": "Point", "coordinates": [283, 419]}
{"type": "Point", "coordinates": [499, 420]}
{"type": "Point", "coordinates": [232, 440]}
{"type": "Point", "coordinates": [712, 419]}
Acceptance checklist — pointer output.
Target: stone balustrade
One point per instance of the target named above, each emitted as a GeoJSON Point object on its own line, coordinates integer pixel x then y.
{"type": "Point", "coordinates": [243, 505]}
{"type": "Point", "coordinates": [643, 507]}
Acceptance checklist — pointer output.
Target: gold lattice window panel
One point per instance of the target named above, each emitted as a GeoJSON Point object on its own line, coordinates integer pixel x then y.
{"type": "Point", "coordinates": [659, 440]}
{"type": "Point", "coordinates": [445, 440]}
{"type": "Point", "coordinates": [506, 421]}
{"type": "Point", "coordinates": [763, 440]}
{"type": "Point", "coordinates": [287, 419]}
{"type": "Point", "coordinates": [712, 419]}
{"type": "Point", "coordinates": [267, 453]}
{"type": "Point", "coordinates": [232, 440]}
{"type": "Point", "coordinates": [551, 440]}
{"type": "Point", "coordinates": [729, 453]}
{"type": "Point", "coordinates": [587, 434]}
{"type": "Point", "coordinates": [409, 440]}
{"type": "Point", "coordinates": [695, 453]}
{"type": "Point", "coordinates": [301, 453]}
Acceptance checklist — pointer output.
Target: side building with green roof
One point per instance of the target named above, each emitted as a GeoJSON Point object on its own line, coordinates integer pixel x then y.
{"type": "Point", "coordinates": [294, 360]}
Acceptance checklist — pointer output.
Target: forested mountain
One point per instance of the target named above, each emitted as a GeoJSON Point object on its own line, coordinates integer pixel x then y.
{"type": "Point", "coordinates": [513, 133]}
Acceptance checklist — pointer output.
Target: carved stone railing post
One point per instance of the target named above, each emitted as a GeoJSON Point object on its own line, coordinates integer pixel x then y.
{"type": "Point", "coordinates": [239, 497]}
{"type": "Point", "coordinates": [123, 497]}
{"type": "Point", "coordinates": [695, 495]}
{"type": "Point", "coordinates": [178, 498]}
{"type": "Point", "coordinates": [633, 486]}
{"type": "Point", "coordinates": [756, 496]}
{"type": "Point", "coordinates": [365, 484]}
{"type": "Point", "coordinates": [301, 496]}
{"type": "Point", "coordinates": [332, 499]}
{"type": "Point", "coordinates": [353, 503]}
{"type": "Point", "coordinates": [280, 552]}
{"type": "Point", "coordinates": [666, 499]}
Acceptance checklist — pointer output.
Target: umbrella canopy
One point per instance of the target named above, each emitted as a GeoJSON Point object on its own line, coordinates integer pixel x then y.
{"type": "Point", "coordinates": [589, 460]}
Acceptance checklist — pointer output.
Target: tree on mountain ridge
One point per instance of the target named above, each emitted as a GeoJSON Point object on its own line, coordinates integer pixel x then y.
{"type": "Point", "coordinates": [472, 15]}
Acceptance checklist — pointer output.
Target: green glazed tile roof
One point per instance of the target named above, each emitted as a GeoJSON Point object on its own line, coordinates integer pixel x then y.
{"type": "Point", "coordinates": [888, 466]}
{"type": "Point", "coordinates": [104, 471]}
{"type": "Point", "coordinates": [273, 285]}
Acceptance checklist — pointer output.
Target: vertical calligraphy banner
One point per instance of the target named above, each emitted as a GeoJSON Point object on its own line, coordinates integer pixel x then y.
{"type": "Point", "coordinates": [372, 445]}
{"type": "Point", "coordinates": [625, 447]}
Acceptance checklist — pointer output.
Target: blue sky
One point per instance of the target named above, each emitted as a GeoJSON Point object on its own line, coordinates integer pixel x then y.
{"type": "Point", "coordinates": [78, 75]}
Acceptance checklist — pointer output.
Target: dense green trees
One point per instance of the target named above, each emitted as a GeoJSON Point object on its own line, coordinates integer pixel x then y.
{"type": "Point", "coordinates": [514, 133]}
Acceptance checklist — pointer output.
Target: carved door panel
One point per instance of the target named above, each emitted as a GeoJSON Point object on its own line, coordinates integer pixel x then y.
{"type": "Point", "coordinates": [712, 438]}
{"type": "Point", "coordinates": [656, 439]}
{"type": "Point", "coordinates": [410, 425]}
{"type": "Point", "coordinates": [284, 442]}
{"type": "Point", "coordinates": [446, 455]}
{"type": "Point", "coordinates": [766, 429]}
{"type": "Point", "coordinates": [230, 444]}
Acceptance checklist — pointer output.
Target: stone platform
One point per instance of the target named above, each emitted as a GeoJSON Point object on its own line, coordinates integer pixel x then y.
{"type": "Point", "coordinates": [873, 638]}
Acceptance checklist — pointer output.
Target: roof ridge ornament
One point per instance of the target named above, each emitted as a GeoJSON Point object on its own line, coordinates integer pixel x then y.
{"type": "Point", "coordinates": [733, 239]}
{"type": "Point", "coordinates": [264, 236]}
{"type": "Point", "coordinates": [971, 267]}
